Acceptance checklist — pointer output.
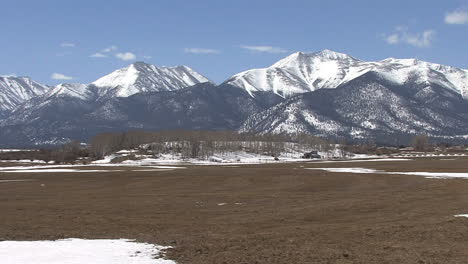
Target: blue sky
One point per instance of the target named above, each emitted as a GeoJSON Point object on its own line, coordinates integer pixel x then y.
{"type": "Point", "coordinates": [80, 41]}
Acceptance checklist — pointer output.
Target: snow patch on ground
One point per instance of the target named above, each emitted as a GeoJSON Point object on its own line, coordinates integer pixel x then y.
{"type": "Point", "coordinates": [461, 215]}
{"type": "Point", "coordinates": [361, 160]}
{"type": "Point", "coordinates": [16, 180]}
{"type": "Point", "coordinates": [431, 175]}
{"type": "Point", "coordinates": [436, 175]}
{"type": "Point", "coordinates": [24, 161]}
{"type": "Point", "coordinates": [350, 170]}
{"type": "Point", "coordinates": [56, 170]}
{"type": "Point", "coordinates": [15, 150]}
{"type": "Point", "coordinates": [80, 251]}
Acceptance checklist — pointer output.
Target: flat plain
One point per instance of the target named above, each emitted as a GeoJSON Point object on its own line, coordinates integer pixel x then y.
{"type": "Point", "coordinates": [265, 213]}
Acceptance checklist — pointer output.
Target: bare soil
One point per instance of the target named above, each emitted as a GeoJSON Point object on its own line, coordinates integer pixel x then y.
{"type": "Point", "coordinates": [277, 213]}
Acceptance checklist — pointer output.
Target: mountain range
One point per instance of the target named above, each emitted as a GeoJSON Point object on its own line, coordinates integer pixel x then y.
{"type": "Point", "coordinates": [324, 93]}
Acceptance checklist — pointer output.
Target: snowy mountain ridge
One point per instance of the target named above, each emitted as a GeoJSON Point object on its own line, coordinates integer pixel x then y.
{"type": "Point", "coordinates": [305, 72]}
{"type": "Point", "coordinates": [142, 77]}
{"type": "Point", "coordinates": [16, 90]}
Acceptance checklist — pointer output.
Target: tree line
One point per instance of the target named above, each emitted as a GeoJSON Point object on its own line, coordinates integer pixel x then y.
{"type": "Point", "coordinates": [204, 144]}
{"type": "Point", "coordinates": [200, 144]}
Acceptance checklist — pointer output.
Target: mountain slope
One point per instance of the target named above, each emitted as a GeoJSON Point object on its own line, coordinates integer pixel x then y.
{"type": "Point", "coordinates": [57, 118]}
{"type": "Point", "coordinates": [305, 72]}
{"type": "Point", "coordinates": [142, 77]}
{"type": "Point", "coordinates": [368, 107]}
{"type": "Point", "coordinates": [16, 90]}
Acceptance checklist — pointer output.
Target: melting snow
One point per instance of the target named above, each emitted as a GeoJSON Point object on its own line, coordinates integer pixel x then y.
{"type": "Point", "coordinates": [432, 175]}
{"type": "Point", "coordinates": [57, 170]}
{"type": "Point", "coordinates": [15, 180]}
{"type": "Point", "coordinates": [81, 251]}
{"type": "Point", "coordinates": [461, 215]}
{"type": "Point", "coordinates": [351, 170]}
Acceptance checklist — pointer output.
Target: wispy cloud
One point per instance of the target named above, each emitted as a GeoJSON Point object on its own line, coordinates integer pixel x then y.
{"type": "Point", "coordinates": [98, 55]}
{"type": "Point", "coordinates": [104, 52]}
{"type": "Point", "coordinates": [126, 56]}
{"type": "Point", "coordinates": [393, 38]}
{"type": "Point", "coordinates": [146, 57]}
{"type": "Point", "coordinates": [110, 49]}
{"type": "Point", "coordinates": [457, 17]}
{"type": "Point", "coordinates": [201, 51]}
{"type": "Point", "coordinates": [8, 75]}
{"type": "Point", "coordinates": [402, 35]}
{"type": "Point", "coordinates": [67, 45]}
{"type": "Point", "coordinates": [266, 49]}
{"type": "Point", "coordinates": [423, 39]}
{"type": "Point", "coordinates": [60, 76]}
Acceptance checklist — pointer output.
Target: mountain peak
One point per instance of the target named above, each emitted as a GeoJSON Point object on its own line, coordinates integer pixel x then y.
{"type": "Point", "coordinates": [330, 54]}
{"type": "Point", "coordinates": [15, 90]}
{"type": "Point", "coordinates": [143, 77]}
{"type": "Point", "coordinates": [304, 72]}
{"type": "Point", "coordinates": [309, 58]}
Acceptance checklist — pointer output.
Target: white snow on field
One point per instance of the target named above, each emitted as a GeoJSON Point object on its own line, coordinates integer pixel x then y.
{"type": "Point", "coordinates": [15, 150]}
{"type": "Point", "coordinates": [15, 180]}
{"type": "Point", "coordinates": [461, 215]}
{"type": "Point", "coordinates": [77, 168]}
{"type": "Point", "coordinates": [56, 170]}
{"type": "Point", "coordinates": [154, 170]}
{"type": "Point", "coordinates": [80, 251]}
{"type": "Point", "coordinates": [360, 160]}
{"type": "Point", "coordinates": [431, 175]}
{"type": "Point", "coordinates": [435, 175]}
{"type": "Point", "coordinates": [350, 170]}
{"type": "Point", "coordinates": [237, 157]}
{"type": "Point", "coordinates": [24, 161]}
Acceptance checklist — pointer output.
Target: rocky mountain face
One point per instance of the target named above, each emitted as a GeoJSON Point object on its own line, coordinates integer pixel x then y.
{"type": "Point", "coordinates": [368, 108]}
{"type": "Point", "coordinates": [203, 106]}
{"type": "Point", "coordinates": [326, 93]}
{"type": "Point", "coordinates": [16, 90]}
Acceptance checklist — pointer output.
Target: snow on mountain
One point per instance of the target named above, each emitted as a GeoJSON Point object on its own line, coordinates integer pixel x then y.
{"type": "Point", "coordinates": [16, 90]}
{"type": "Point", "coordinates": [368, 107]}
{"type": "Point", "coordinates": [69, 89]}
{"type": "Point", "coordinates": [305, 72]}
{"type": "Point", "coordinates": [142, 77]}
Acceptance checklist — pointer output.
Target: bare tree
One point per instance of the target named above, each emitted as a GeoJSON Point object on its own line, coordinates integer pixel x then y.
{"type": "Point", "coordinates": [421, 143]}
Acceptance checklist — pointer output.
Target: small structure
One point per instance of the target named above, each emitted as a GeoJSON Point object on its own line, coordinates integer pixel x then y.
{"type": "Point", "coordinates": [311, 155]}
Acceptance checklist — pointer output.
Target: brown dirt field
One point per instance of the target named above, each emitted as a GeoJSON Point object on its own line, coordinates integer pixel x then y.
{"type": "Point", "coordinates": [285, 214]}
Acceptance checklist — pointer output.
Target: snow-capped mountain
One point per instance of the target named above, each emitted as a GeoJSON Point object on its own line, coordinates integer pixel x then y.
{"type": "Point", "coordinates": [142, 77]}
{"type": "Point", "coordinates": [69, 89]}
{"type": "Point", "coordinates": [368, 108]}
{"type": "Point", "coordinates": [59, 117]}
{"type": "Point", "coordinates": [327, 93]}
{"type": "Point", "coordinates": [305, 72]}
{"type": "Point", "coordinates": [16, 90]}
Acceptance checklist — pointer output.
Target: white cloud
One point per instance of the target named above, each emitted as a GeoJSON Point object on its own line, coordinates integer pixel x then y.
{"type": "Point", "coordinates": [201, 51]}
{"type": "Point", "coordinates": [126, 56]}
{"type": "Point", "coordinates": [457, 17]}
{"type": "Point", "coordinates": [392, 39]}
{"type": "Point", "coordinates": [98, 55]}
{"type": "Point", "coordinates": [59, 76]}
{"type": "Point", "coordinates": [8, 75]}
{"type": "Point", "coordinates": [146, 57]}
{"type": "Point", "coordinates": [102, 53]}
{"type": "Point", "coordinates": [68, 45]}
{"type": "Point", "coordinates": [420, 39]}
{"type": "Point", "coordinates": [423, 39]}
{"type": "Point", "coordinates": [267, 49]}
{"type": "Point", "coordinates": [110, 49]}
